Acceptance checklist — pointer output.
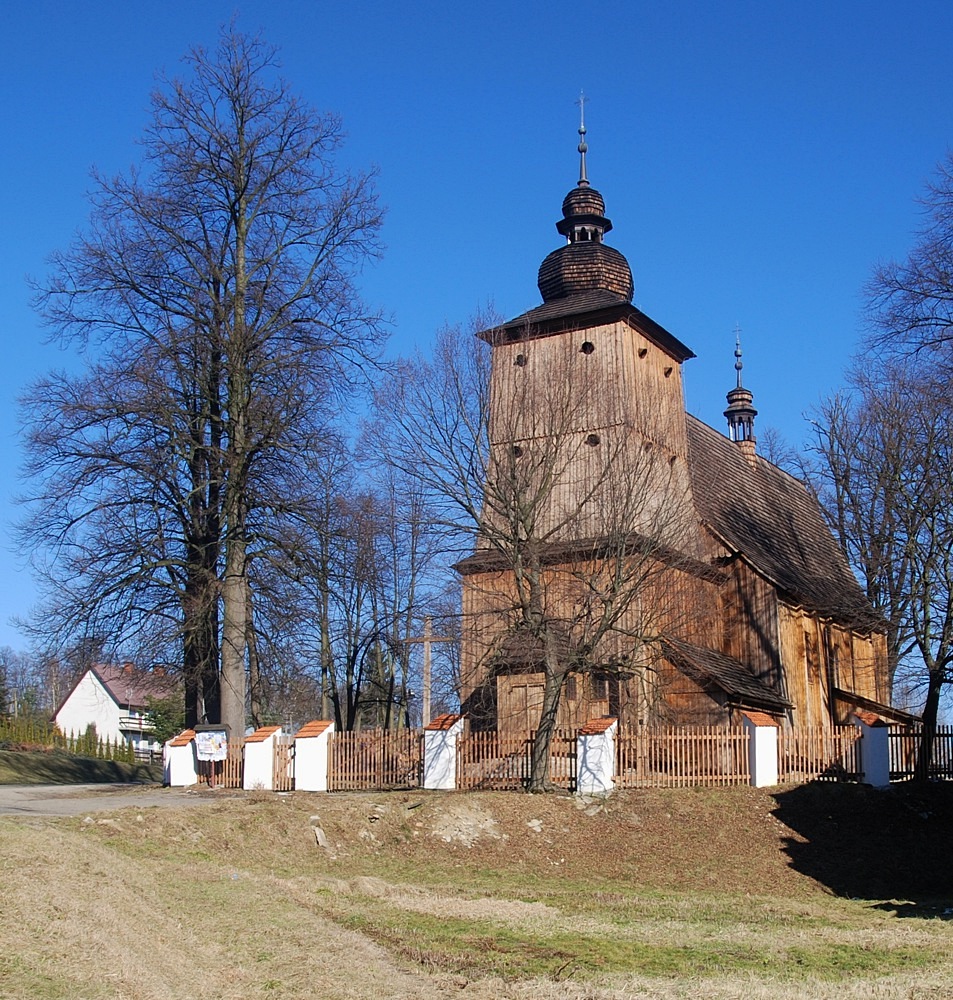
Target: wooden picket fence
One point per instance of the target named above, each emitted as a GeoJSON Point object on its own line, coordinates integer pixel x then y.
{"type": "Point", "coordinates": [492, 761]}
{"type": "Point", "coordinates": [681, 756]}
{"type": "Point", "coordinates": [818, 754]}
{"type": "Point", "coordinates": [229, 772]}
{"type": "Point", "coordinates": [904, 744]}
{"type": "Point", "coordinates": [375, 759]}
{"type": "Point", "coordinates": [284, 776]}
{"type": "Point", "coordinates": [649, 757]}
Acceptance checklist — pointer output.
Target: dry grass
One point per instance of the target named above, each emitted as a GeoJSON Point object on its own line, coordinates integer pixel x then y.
{"type": "Point", "coordinates": [501, 896]}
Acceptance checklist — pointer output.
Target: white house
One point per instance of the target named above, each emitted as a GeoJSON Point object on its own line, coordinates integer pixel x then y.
{"type": "Point", "coordinates": [114, 698]}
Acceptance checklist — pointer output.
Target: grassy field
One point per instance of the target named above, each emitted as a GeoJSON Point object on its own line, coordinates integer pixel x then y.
{"type": "Point", "coordinates": [720, 894]}
{"type": "Point", "coordinates": [56, 767]}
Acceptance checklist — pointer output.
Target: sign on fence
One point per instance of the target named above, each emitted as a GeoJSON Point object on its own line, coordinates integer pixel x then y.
{"type": "Point", "coordinates": [211, 744]}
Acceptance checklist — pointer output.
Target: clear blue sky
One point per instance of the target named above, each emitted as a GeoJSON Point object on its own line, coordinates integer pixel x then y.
{"type": "Point", "coordinates": [756, 158]}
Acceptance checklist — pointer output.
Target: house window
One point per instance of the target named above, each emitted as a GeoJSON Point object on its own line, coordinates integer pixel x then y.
{"type": "Point", "coordinates": [599, 687]}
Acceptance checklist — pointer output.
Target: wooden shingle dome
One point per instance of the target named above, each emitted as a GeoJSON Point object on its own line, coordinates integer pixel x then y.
{"type": "Point", "coordinates": [584, 267]}
{"type": "Point", "coordinates": [585, 263]}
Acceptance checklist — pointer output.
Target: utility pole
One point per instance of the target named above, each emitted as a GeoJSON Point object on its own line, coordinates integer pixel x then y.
{"type": "Point", "coordinates": [427, 638]}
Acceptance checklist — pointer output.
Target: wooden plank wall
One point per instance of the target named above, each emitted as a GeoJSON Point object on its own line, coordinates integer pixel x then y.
{"type": "Point", "coordinates": [750, 615]}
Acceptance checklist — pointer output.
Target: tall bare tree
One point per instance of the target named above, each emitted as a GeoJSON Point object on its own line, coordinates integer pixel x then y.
{"type": "Point", "coordinates": [911, 301]}
{"type": "Point", "coordinates": [570, 535]}
{"type": "Point", "coordinates": [885, 481]}
{"type": "Point", "coordinates": [217, 284]}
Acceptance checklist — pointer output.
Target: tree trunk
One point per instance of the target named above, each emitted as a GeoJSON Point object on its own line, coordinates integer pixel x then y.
{"type": "Point", "coordinates": [928, 734]}
{"type": "Point", "coordinates": [254, 666]}
{"type": "Point", "coordinates": [539, 780]}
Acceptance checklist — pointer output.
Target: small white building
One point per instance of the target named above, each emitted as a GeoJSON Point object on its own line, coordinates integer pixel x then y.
{"type": "Point", "coordinates": [114, 698]}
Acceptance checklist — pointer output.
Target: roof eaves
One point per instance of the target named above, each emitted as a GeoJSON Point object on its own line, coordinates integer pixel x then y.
{"type": "Point", "coordinates": [584, 311]}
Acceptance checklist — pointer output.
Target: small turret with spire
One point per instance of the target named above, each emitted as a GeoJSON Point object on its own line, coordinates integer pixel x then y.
{"type": "Point", "coordinates": [740, 413]}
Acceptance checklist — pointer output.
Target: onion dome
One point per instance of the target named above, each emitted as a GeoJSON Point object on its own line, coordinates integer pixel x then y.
{"type": "Point", "coordinates": [585, 263]}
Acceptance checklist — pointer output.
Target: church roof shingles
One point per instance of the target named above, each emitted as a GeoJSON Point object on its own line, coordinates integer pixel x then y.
{"type": "Point", "coordinates": [775, 524]}
{"type": "Point", "coordinates": [733, 677]}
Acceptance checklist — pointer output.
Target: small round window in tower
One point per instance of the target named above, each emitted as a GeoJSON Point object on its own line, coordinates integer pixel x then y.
{"type": "Point", "coordinates": [588, 347]}
{"type": "Point", "coordinates": [593, 439]}
{"type": "Point", "coordinates": [520, 361]}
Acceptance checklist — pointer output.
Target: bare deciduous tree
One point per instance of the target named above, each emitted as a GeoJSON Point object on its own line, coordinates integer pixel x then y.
{"type": "Point", "coordinates": [911, 301]}
{"type": "Point", "coordinates": [885, 482]}
{"type": "Point", "coordinates": [217, 284]}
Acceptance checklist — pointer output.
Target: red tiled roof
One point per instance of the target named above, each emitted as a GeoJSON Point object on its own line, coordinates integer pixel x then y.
{"type": "Point", "coordinates": [262, 734]}
{"type": "Point", "coordinates": [131, 687]}
{"type": "Point", "coordinates": [442, 723]}
{"type": "Point", "coordinates": [760, 719]}
{"type": "Point", "coordinates": [313, 728]}
{"type": "Point", "coordinates": [183, 739]}
{"type": "Point", "coordinates": [869, 718]}
{"type": "Point", "coordinates": [596, 726]}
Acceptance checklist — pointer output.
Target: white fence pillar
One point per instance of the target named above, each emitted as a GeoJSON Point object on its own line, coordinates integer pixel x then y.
{"type": "Point", "coordinates": [874, 749]}
{"type": "Point", "coordinates": [312, 756]}
{"type": "Point", "coordinates": [440, 752]}
{"type": "Point", "coordinates": [179, 763]}
{"type": "Point", "coordinates": [595, 757]}
{"type": "Point", "coordinates": [260, 759]}
{"type": "Point", "coordinates": [762, 733]}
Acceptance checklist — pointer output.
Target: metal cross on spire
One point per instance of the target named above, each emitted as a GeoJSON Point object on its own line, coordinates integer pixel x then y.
{"type": "Point", "coordinates": [738, 364]}
{"type": "Point", "coordinates": [583, 147]}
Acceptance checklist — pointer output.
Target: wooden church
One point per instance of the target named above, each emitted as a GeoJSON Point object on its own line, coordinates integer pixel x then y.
{"type": "Point", "coordinates": [634, 561]}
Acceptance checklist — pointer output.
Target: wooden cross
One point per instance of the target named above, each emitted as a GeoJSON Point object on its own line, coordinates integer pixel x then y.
{"type": "Point", "coordinates": [427, 638]}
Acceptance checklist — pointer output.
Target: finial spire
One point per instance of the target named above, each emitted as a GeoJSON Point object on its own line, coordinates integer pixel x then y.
{"type": "Point", "coordinates": [738, 364]}
{"type": "Point", "coordinates": [583, 146]}
{"type": "Point", "coordinates": [740, 413]}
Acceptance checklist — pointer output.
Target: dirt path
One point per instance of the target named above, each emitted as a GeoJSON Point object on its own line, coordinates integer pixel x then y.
{"type": "Point", "coordinates": [73, 800]}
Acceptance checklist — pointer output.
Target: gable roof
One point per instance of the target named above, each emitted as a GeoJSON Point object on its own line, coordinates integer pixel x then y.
{"type": "Point", "coordinates": [775, 524]}
{"type": "Point", "coordinates": [708, 667]}
{"type": "Point", "coordinates": [130, 686]}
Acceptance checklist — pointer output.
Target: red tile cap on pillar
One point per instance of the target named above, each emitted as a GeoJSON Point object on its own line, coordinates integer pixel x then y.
{"type": "Point", "coordinates": [442, 723]}
{"type": "Point", "coordinates": [760, 719]}
{"type": "Point", "coordinates": [596, 726]}
{"type": "Point", "coordinates": [313, 728]}
{"type": "Point", "coordinates": [869, 718]}
{"type": "Point", "coordinates": [260, 735]}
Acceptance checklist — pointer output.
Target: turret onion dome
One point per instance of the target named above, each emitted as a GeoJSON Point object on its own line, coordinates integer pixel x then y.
{"type": "Point", "coordinates": [585, 263]}
{"type": "Point", "coordinates": [740, 413]}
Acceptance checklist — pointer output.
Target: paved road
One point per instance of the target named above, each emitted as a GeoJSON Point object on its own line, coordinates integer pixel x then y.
{"type": "Point", "coordinates": [74, 800]}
